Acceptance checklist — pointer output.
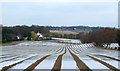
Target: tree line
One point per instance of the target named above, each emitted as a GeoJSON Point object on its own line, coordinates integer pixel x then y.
{"type": "Point", "coordinates": [71, 28]}
{"type": "Point", "coordinates": [10, 33]}
{"type": "Point", "coordinates": [101, 36]}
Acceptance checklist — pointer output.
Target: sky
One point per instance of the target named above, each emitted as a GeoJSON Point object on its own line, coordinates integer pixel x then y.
{"type": "Point", "coordinates": [63, 13]}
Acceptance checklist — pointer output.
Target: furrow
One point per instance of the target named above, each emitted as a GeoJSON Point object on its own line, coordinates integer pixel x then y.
{"type": "Point", "coordinates": [32, 66]}
{"type": "Point", "coordinates": [11, 59]}
{"type": "Point", "coordinates": [58, 63]}
{"type": "Point", "coordinates": [104, 63]}
{"type": "Point", "coordinates": [10, 66]}
{"type": "Point", "coordinates": [108, 57]}
{"type": "Point", "coordinates": [81, 65]}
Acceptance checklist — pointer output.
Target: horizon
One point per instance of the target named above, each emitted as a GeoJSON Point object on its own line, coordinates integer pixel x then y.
{"type": "Point", "coordinates": [61, 26]}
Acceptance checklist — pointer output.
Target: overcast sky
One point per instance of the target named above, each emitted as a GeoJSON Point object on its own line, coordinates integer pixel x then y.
{"type": "Point", "coordinates": [60, 13]}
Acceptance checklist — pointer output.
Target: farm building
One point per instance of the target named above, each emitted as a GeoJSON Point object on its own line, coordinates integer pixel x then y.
{"type": "Point", "coordinates": [39, 36]}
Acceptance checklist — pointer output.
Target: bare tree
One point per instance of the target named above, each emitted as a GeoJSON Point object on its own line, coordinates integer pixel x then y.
{"type": "Point", "coordinates": [101, 36]}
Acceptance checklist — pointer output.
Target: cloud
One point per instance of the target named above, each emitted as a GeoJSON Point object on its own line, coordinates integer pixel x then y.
{"type": "Point", "coordinates": [84, 13]}
{"type": "Point", "coordinates": [59, 0]}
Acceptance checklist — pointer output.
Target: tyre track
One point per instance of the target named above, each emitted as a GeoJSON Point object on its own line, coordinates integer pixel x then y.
{"type": "Point", "coordinates": [76, 49]}
{"type": "Point", "coordinates": [60, 51]}
{"type": "Point", "coordinates": [108, 57]}
{"type": "Point", "coordinates": [68, 62]}
{"type": "Point", "coordinates": [104, 63]}
{"type": "Point", "coordinates": [32, 66]}
{"type": "Point", "coordinates": [81, 65]}
{"type": "Point", "coordinates": [10, 66]}
{"type": "Point", "coordinates": [76, 52]}
{"type": "Point", "coordinates": [7, 67]}
{"type": "Point", "coordinates": [58, 63]}
{"type": "Point", "coordinates": [11, 59]}
{"type": "Point", "coordinates": [7, 56]}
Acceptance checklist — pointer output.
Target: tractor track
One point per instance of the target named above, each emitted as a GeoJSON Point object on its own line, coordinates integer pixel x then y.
{"type": "Point", "coordinates": [81, 65]}
{"type": "Point", "coordinates": [108, 57]}
{"type": "Point", "coordinates": [104, 63]}
{"type": "Point", "coordinates": [10, 66]}
{"type": "Point", "coordinates": [58, 63]}
{"type": "Point", "coordinates": [11, 59]}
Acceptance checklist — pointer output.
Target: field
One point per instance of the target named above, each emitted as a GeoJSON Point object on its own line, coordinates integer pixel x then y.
{"type": "Point", "coordinates": [67, 32]}
{"type": "Point", "coordinates": [33, 55]}
{"type": "Point", "coordinates": [64, 32]}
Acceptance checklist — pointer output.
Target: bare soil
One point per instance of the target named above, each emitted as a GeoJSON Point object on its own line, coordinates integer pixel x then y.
{"type": "Point", "coordinates": [12, 43]}
{"type": "Point", "coordinates": [104, 63]}
{"type": "Point", "coordinates": [109, 57]}
{"type": "Point", "coordinates": [58, 63]}
{"type": "Point", "coordinates": [10, 66]}
{"type": "Point", "coordinates": [81, 65]}
{"type": "Point", "coordinates": [31, 67]}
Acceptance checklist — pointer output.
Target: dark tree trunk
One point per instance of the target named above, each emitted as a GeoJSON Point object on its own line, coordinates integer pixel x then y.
{"type": "Point", "coordinates": [119, 46]}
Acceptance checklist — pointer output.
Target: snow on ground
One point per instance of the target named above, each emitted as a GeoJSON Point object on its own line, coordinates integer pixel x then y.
{"type": "Point", "coordinates": [7, 58]}
{"type": "Point", "coordinates": [69, 40]}
{"type": "Point", "coordinates": [110, 61]}
{"type": "Point", "coordinates": [68, 62]}
{"type": "Point", "coordinates": [48, 63]}
{"type": "Point", "coordinates": [14, 61]}
{"type": "Point", "coordinates": [112, 45]}
{"type": "Point", "coordinates": [92, 64]}
{"type": "Point", "coordinates": [41, 48]}
{"type": "Point", "coordinates": [26, 63]}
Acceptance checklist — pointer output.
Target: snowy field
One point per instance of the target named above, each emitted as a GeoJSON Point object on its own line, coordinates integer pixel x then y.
{"type": "Point", "coordinates": [50, 55]}
{"type": "Point", "coordinates": [112, 45]}
{"type": "Point", "coordinates": [69, 40]}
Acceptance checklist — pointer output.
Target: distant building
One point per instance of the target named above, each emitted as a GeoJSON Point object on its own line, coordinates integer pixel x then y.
{"type": "Point", "coordinates": [18, 37]}
{"type": "Point", "coordinates": [39, 36]}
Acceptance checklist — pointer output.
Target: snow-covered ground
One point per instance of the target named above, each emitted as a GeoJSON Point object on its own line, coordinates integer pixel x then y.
{"type": "Point", "coordinates": [39, 49]}
{"type": "Point", "coordinates": [68, 40]}
{"type": "Point", "coordinates": [112, 45]}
